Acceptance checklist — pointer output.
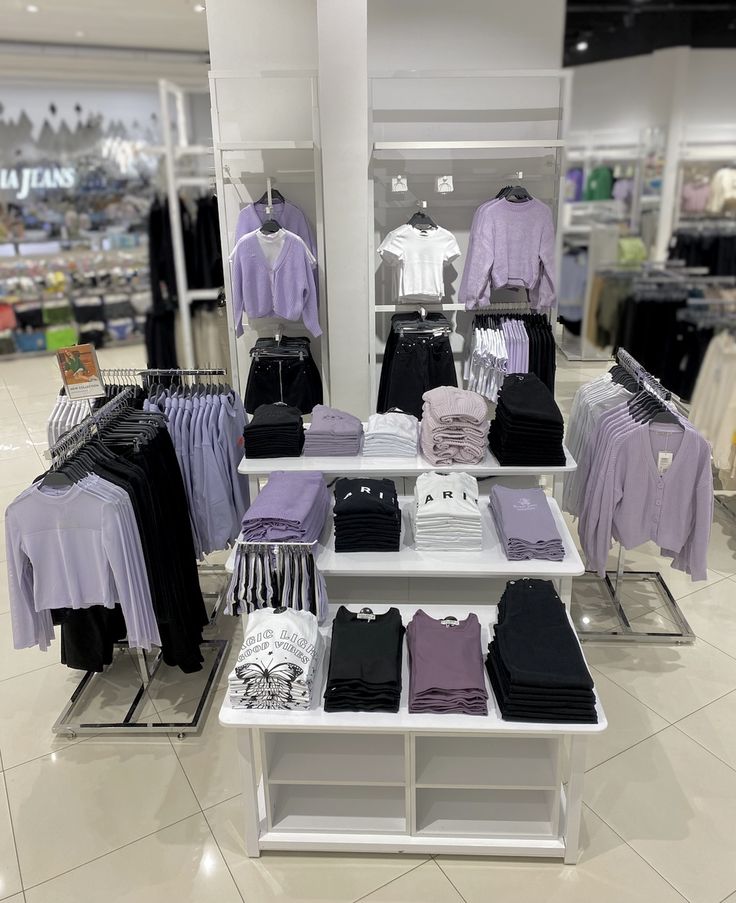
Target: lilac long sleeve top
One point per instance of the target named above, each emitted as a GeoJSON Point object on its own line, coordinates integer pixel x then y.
{"type": "Point", "coordinates": [511, 244]}
{"type": "Point", "coordinates": [633, 502]}
{"type": "Point", "coordinates": [73, 549]}
{"type": "Point", "coordinates": [282, 287]}
{"type": "Point", "coordinates": [288, 215]}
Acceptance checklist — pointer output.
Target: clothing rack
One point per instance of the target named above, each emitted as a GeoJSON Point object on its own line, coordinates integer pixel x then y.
{"type": "Point", "coordinates": [276, 548]}
{"type": "Point", "coordinates": [614, 581]}
{"type": "Point", "coordinates": [67, 723]}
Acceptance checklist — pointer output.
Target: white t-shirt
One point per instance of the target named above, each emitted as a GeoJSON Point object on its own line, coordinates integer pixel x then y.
{"type": "Point", "coordinates": [419, 256]}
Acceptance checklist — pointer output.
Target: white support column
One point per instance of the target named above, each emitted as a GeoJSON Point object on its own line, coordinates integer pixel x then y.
{"type": "Point", "coordinates": [177, 237]}
{"type": "Point", "coordinates": [343, 113]}
{"type": "Point", "coordinates": [574, 798]}
{"type": "Point", "coordinates": [251, 816]}
{"type": "Point", "coordinates": [671, 67]}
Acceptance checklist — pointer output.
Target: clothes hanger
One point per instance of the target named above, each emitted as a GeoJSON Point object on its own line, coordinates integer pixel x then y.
{"type": "Point", "coordinates": [275, 196]}
{"type": "Point", "coordinates": [517, 194]}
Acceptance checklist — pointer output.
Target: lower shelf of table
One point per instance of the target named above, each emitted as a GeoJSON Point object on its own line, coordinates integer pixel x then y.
{"type": "Point", "coordinates": [406, 843]}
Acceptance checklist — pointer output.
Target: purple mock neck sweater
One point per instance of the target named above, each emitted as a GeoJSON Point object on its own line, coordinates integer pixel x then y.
{"type": "Point", "coordinates": [286, 214]}
{"type": "Point", "coordinates": [511, 244]}
{"type": "Point", "coordinates": [283, 288]}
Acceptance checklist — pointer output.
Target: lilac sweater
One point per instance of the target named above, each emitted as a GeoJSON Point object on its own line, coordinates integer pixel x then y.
{"type": "Point", "coordinates": [511, 244]}
{"type": "Point", "coordinates": [289, 216]}
{"type": "Point", "coordinates": [285, 289]}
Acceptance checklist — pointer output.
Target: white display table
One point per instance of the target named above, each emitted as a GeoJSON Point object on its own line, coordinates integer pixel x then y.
{"type": "Point", "coordinates": [384, 782]}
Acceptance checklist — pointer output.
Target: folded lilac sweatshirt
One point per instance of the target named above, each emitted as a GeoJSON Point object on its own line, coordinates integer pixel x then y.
{"type": "Point", "coordinates": [285, 288]}
{"type": "Point", "coordinates": [511, 244]}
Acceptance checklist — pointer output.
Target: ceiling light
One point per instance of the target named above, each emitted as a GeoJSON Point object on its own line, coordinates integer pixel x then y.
{"type": "Point", "coordinates": [198, 8]}
{"type": "Point", "coordinates": [79, 34]}
{"type": "Point", "coordinates": [581, 46]}
{"type": "Point", "coordinates": [31, 8]}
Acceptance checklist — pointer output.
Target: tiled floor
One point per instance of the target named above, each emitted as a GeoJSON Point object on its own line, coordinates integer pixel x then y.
{"type": "Point", "coordinates": [148, 820]}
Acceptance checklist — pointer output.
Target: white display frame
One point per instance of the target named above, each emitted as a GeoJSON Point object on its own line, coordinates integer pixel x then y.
{"type": "Point", "coordinates": [383, 782]}
{"type": "Point", "coordinates": [409, 148]}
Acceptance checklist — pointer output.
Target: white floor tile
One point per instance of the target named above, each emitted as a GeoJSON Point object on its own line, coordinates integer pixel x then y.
{"type": "Point", "coordinates": [16, 898]}
{"type": "Point", "coordinates": [426, 884]}
{"type": "Point", "coordinates": [14, 441]}
{"type": "Point", "coordinates": [91, 798]}
{"type": "Point", "coordinates": [10, 882]}
{"type": "Point", "coordinates": [298, 877]}
{"type": "Point", "coordinates": [672, 680]}
{"type": "Point", "coordinates": [711, 613]}
{"type": "Point", "coordinates": [20, 470]}
{"type": "Point", "coordinates": [629, 722]}
{"type": "Point", "coordinates": [714, 727]}
{"type": "Point", "coordinates": [210, 760]}
{"type": "Point", "coordinates": [29, 706]}
{"type": "Point", "coordinates": [181, 863]}
{"type": "Point", "coordinates": [675, 804]}
{"type": "Point", "coordinates": [608, 871]}
{"type": "Point", "coordinates": [20, 661]}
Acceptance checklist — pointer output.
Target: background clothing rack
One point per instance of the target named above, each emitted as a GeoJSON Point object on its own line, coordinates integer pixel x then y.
{"type": "Point", "coordinates": [68, 722]}
{"type": "Point", "coordinates": [615, 582]}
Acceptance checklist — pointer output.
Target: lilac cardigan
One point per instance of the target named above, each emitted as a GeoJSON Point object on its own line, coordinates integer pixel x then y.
{"type": "Point", "coordinates": [288, 290]}
{"type": "Point", "coordinates": [287, 215]}
{"type": "Point", "coordinates": [511, 244]}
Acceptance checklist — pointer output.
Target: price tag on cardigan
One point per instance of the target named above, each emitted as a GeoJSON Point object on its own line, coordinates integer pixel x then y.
{"type": "Point", "coordinates": [664, 461]}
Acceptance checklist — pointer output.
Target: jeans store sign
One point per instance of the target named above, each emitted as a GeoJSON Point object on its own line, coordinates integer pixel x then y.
{"type": "Point", "coordinates": [24, 180]}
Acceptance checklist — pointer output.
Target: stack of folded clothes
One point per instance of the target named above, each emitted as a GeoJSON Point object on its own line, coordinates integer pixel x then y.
{"type": "Point", "coordinates": [525, 524]}
{"type": "Point", "coordinates": [291, 507]}
{"type": "Point", "coordinates": [271, 673]}
{"type": "Point", "coordinates": [535, 662]}
{"type": "Point", "coordinates": [454, 426]}
{"type": "Point", "coordinates": [367, 516]}
{"type": "Point", "coordinates": [333, 432]}
{"type": "Point", "coordinates": [393, 434]}
{"type": "Point", "coordinates": [527, 429]}
{"type": "Point", "coordinates": [446, 666]}
{"type": "Point", "coordinates": [275, 431]}
{"type": "Point", "coordinates": [446, 512]}
{"type": "Point", "coordinates": [365, 662]}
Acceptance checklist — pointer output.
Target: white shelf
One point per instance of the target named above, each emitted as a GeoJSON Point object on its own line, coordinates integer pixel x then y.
{"type": "Point", "coordinates": [266, 144]}
{"type": "Point", "coordinates": [479, 763]}
{"type": "Point", "coordinates": [320, 808]}
{"type": "Point", "coordinates": [486, 813]}
{"type": "Point", "coordinates": [491, 561]}
{"type": "Point", "coordinates": [521, 143]}
{"type": "Point", "coordinates": [360, 465]}
{"type": "Point", "coordinates": [396, 308]}
{"type": "Point", "coordinates": [315, 719]}
{"type": "Point", "coordinates": [334, 759]}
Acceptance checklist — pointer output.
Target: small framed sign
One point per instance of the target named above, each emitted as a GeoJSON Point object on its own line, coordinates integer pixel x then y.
{"type": "Point", "coordinates": [80, 372]}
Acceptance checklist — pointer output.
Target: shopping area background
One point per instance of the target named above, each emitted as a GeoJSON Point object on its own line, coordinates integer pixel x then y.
{"type": "Point", "coordinates": [517, 213]}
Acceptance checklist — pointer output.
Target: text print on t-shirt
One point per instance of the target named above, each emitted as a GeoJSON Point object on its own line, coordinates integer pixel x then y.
{"type": "Point", "coordinates": [298, 646]}
{"type": "Point", "coordinates": [448, 494]}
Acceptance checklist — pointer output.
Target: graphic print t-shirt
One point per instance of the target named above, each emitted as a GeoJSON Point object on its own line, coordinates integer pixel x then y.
{"type": "Point", "coordinates": [277, 663]}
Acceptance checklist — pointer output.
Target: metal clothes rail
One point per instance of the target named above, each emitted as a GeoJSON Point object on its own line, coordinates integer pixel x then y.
{"type": "Point", "coordinates": [615, 582]}
{"type": "Point", "coordinates": [68, 722]}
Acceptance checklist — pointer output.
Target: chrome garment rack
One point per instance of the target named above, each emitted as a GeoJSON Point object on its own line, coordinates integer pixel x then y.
{"type": "Point", "coordinates": [615, 582]}
{"type": "Point", "coordinates": [69, 723]}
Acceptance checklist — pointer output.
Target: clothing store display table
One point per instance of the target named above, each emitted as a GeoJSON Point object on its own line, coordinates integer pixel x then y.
{"type": "Point", "coordinates": [490, 561]}
{"type": "Point", "coordinates": [412, 783]}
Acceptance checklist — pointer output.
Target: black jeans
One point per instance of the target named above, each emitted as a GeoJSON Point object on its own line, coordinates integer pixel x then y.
{"type": "Point", "coordinates": [293, 380]}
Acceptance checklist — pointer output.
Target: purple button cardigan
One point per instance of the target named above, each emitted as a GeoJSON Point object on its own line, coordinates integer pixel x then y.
{"type": "Point", "coordinates": [286, 290]}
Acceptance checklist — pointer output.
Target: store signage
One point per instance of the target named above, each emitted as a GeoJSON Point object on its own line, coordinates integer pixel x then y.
{"type": "Point", "coordinates": [23, 180]}
{"type": "Point", "coordinates": [80, 372]}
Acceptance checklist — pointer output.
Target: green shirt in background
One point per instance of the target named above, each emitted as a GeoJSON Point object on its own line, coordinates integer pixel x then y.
{"type": "Point", "coordinates": [599, 184]}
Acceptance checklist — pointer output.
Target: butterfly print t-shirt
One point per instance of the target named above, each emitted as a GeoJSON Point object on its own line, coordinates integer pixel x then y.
{"type": "Point", "coordinates": [278, 661]}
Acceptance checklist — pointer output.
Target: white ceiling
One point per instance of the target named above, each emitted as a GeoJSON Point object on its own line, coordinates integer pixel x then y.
{"type": "Point", "coordinates": [150, 24]}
